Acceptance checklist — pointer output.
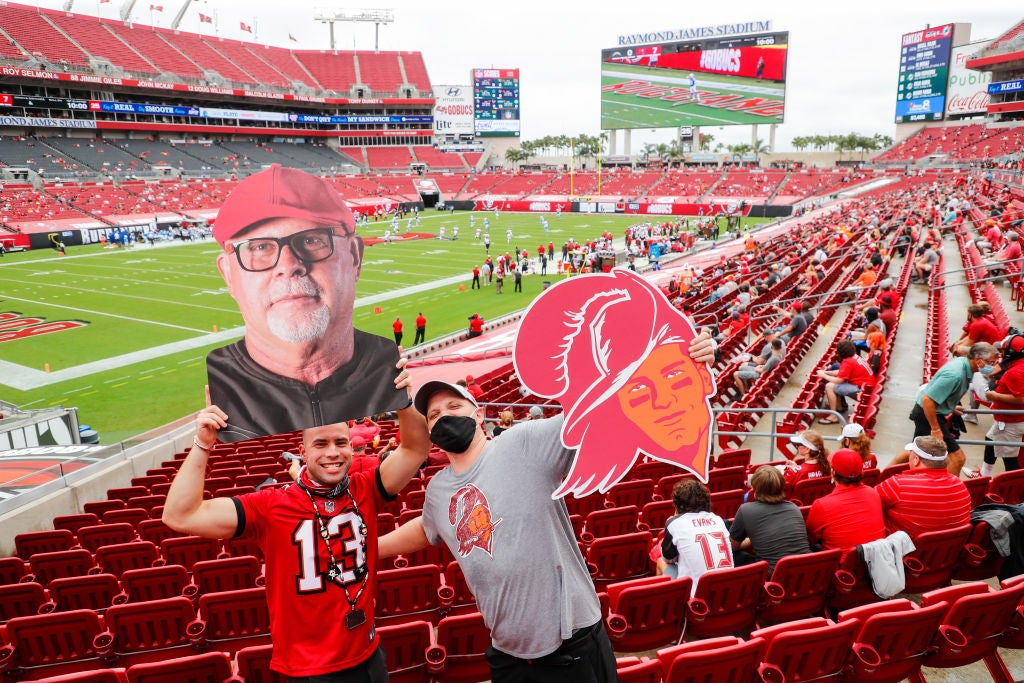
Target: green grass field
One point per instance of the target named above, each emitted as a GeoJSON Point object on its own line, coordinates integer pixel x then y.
{"type": "Point", "coordinates": [630, 111]}
{"type": "Point", "coordinates": [137, 300]}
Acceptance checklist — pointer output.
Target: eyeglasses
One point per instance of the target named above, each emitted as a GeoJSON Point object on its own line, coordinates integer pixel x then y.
{"type": "Point", "coordinates": [263, 253]}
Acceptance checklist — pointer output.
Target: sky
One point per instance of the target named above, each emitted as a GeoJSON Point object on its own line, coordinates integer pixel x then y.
{"type": "Point", "coordinates": [841, 74]}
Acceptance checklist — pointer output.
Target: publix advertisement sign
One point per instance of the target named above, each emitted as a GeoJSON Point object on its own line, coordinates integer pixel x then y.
{"type": "Point", "coordinates": [968, 90]}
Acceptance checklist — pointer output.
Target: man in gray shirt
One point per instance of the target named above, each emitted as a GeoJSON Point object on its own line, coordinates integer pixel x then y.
{"type": "Point", "coordinates": [748, 372]}
{"type": "Point", "coordinates": [515, 543]}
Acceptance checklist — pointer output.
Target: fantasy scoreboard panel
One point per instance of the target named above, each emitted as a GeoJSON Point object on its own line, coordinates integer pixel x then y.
{"type": "Point", "coordinates": [924, 71]}
{"type": "Point", "coordinates": [728, 80]}
{"type": "Point", "coordinates": [496, 102]}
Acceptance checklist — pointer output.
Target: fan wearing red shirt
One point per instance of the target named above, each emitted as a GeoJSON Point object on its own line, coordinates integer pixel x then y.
{"type": "Point", "coordinates": [319, 537]}
{"type": "Point", "coordinates": [852, 513]}
{"type": "Point", "coordinates": [811, 447]}
{"type": "Point", "coordinates": [926, 497]}
{"type": "Point", "coordinates": [979, 328]}
{"type": "Point", "coordinates": [1007, 395]}
{"type": "Point", "coordinates": [853, 374]}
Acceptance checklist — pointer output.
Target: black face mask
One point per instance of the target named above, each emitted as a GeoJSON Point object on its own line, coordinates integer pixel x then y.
{"type": "Point", "coordinates": [454, 433]}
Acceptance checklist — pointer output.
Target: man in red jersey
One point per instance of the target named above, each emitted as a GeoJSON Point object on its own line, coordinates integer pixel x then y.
{"type": "Point", "coordinates": [319, 537]}
{"type": "Point", "coordinates": [852, 513]}
{"type": "Point", "coordinates": [926, 497]}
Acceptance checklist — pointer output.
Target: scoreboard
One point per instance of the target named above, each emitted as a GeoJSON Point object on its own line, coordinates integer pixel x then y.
{"type": "Point", "coordinates": [924, 72]}
{"type": "Point", "coordinates": [496, 102]}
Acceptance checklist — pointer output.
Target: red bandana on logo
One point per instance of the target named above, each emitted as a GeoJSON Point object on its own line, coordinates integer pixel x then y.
{"type": "Point", "coordinates": [470, 514]}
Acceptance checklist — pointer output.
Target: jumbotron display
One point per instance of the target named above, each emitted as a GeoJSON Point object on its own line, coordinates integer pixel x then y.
{"type": "Point", "coordinates": [496, 102]}
{"type": "Point", "coordinates": [924, 72]}
{"type": "Point", "coordinates": [737, 80]}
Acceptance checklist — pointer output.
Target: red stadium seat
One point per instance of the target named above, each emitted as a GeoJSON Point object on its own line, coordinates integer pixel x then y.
{"type": "Point", "coordinates": [985, 561]}
{"type": "Point", "coordinates": [154, 583]}
{"type": "Point", "coordinates": [726, 478]}
{"type": "Point", "coordinates": [733, 457]}
{"type": "Point", "coordinates": [619, 558]}
{"type": "Point", "coordinates": [21, 600]}
{"type": "Point", "coordinates": [226, 574]}
{"type": "Point", "coordinates": [234, 619]}
{"type": "Point", "coordinates": [717, 659]}
{"type": "Point", "coordinates": [209, 666]}
{"type": "Point", "coordinates": [806, 581]}
{"type": "Point", "coordinates": [462, 599]}
{"type": "Point", "coordinates": [638, 670]}
{"type": "Point", "coordinates": [46, 567]}
{"type": "Point", "coordinates": [30, 543]}
{"type": "Point", "coordinates": [459, 655]}
{"type": "Point", "coordinates": [653, 470]}
{"type": "Point", "coordinates": [1006, 487]}
{"type": "Point", "coordinates": [51, 644]}
{"type": "Point", "coordinates": [726, 503]}
{"type": "Point", "coordinates": [647, 613]}
{"type": "Point", "coordinates": [900, 633]}
{"type": "Point", "coordinates": [95, 591]}
{"type": "Point", "coordinates": [405, 646]}
{"type": "Point", "coordinates": [636, 492]}
{"type": "Point", "coordinates": [118, 558]}
{"type": "Point", "coordinates": [610, 522]}
{"type": "Point", "coordinates": [938, 553]}
{"type": "Point", "coordinates": [155, 531]}
{"type": "Point", "coordinates": [140, 632]}
{"type": "Point", "coordinates": [409, 594]}
{"type": "Point", "coordinates": [187, 550]}
{"type": "Point", "coordinates": [75, 522]}
{"type": "Point", "coordinates": [92, 537]}
{"type": "Point", "coordinates": [726, 601]}
{"type": "Point", "coordinates": [131, 515]}
{"type": "Point", "coordinates": [12, 569]}
{"type": "Point", "coordinates": [654, 515]}
{"type": "Point", "coordinates": [807, 491]}
{"type": "Point", "coordinates": [971, 629]}
{"type": "Point", "coordinates": [816, 650]}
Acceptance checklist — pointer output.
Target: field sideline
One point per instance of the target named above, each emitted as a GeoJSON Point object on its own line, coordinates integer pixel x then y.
{"type": "Point", "coordinates": [149, 315]}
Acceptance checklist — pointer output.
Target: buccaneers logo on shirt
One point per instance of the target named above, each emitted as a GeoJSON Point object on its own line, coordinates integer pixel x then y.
{"type": "Point", "coordinates": [470, 514]}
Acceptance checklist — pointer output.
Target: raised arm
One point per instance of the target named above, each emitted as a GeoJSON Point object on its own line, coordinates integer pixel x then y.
{"type": "Point", "coordinates": [414, 442]}
{"type": "Point", "coordinates": [185, 510]}
{"type": "Point", "coordinates": [404, 540]}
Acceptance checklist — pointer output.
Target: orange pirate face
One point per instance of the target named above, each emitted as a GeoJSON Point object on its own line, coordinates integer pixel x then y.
{"type": "Point", "coordinates": [666, 398]}
{"type": "Point", "coordinates": [614, 352]}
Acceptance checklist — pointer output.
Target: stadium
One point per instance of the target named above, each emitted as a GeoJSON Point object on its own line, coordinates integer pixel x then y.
{"type": "Point", "coordinates": [121, 143]}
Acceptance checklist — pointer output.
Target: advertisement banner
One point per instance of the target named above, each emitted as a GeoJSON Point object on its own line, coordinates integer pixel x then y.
{"type": "Point", "coordinates": [968, 90]}
{"type": "Point", "coordinates": [453, 111]}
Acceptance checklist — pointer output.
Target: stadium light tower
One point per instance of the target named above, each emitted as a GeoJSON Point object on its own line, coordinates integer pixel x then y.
{"type": "Point", "coordinates": [180, 15]}
{"type": "Point", "coordinates": [126, 10]}
{"type": "Point", "coordinates": [369, 16]}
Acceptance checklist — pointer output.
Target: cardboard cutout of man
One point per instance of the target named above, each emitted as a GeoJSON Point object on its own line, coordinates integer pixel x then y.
{"type": "Point", "coordinates": [614, 352]}
{"type": "Point", "coordinates": [291, 261]}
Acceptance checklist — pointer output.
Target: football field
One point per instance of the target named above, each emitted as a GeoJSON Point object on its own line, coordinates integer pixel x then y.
{"type": "Point", "coordinates": [645, 97]}
{"type": "Point", "coordinates": [123, 334]}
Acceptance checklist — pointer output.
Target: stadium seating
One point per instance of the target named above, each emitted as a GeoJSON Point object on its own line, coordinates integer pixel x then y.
{"type": "Point", "coordinates": [208, 666]}
{"type": "Point", "coordinates": [459, 655]}
{"type": "Point", "coordinates": [154, 583]}
{"type": "Point", "coordinates": [406, 646]}
{"type": "Point", "coordinates": [806, 582]}
{"type": "Point", "coordinates": [899, 632]}
{"type": "Point", "coordinates": [140, 632]}
{"type": "Point", "coordinates": [726, 601]}
{"type": "Point", "coordinates": [51, 644]}
{"type": "Point", "coordinates": [647, 613]}
{"type": "Point", "coordinates": [612, 559]}
{"type": "Point", "coordinates": [411, 593]}
{"type": "Point", "coordinates": [233, 619]}
{"type": "Point", "coordinates": [21, 600]}
{"type": "Point", "coordinates": [93, 591]}
{"type": "Point", "coordinates": [717, 659]}
{"type": "Point", "coordinates": [816, 650]}
{"type": "Point", "coordinates": [937, 555]}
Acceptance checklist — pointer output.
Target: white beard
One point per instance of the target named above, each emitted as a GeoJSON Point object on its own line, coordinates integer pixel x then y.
{"type": "Point", "coordinates": [294, 328]}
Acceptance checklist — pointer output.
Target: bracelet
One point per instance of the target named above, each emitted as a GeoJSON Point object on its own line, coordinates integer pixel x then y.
{"type": "Point", "coordinates": [203, 447]}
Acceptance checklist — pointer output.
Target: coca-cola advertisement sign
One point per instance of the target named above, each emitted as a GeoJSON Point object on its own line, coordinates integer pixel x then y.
{"type": "Point", "coordinates": [968, 90]}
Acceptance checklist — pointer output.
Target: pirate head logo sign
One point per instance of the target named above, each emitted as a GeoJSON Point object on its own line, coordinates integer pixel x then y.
{"type": "Point", "coordinates": [614, 352]}
{"type": "Point", "coordinates": [470, 514]}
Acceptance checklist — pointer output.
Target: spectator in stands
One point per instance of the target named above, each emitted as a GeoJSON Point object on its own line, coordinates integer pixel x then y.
{"type": "Point", "coordinates": [366, 429]}
{"type": "Point", "coordinates": [852, 513]}
{"type": "Point", "coordinates": [317, 537]}
{"type": "Point", "coordinates": [505, 422]}
{"type": "Point", "coordinates": [291, 260]}
{"type": "Point", "coordinates": [811, 447]}
{"type": "Point", "coordinates": [473, 388]}
{"type": "Point", "coordinates": [924, 264]}
{"type": "Point", "coordinates": [939, 400]}
{"type": "Point", "coordinates": [1008, 394]}
{"type": "Point", "coordinates": [512, 538]}
{"type": "Point", "coordinates": [992, 239]}
{"type": "Point", "coordinates": [798, 322]}
{"type": "Point", "coordinates": [979, 328]}
{"type": "Point", "coordinates": [871, 323]}
{"type": "Point", "coordinates": [856, 439]}
{"type": "Point", "coordinates": [769, 527]}
{"type": "Point", "coordinates": [926, 497]}
{"type": "Point", "coordinates": [476, 325]}
{"type": "Point", "coordinates": [887, 302]}
{"type": "Point", "coordinates": [748, 372]}
{"type": "Point", "coordinates": [535, 413]}
{"type": "Point", "coordinates": [685, 550]}
{"type": "Point", "coordinates": [853, 375]}
{"type": "Point", "coordinates": [887, 296]}
{"type": "Point", "coordinates": [361, 460]}
{"type": "Point", "coordinates": [1008, 259]}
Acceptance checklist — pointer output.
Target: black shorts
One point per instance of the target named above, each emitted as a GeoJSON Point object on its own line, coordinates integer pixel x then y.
{"type": "Point", "coordinates": [923, 428]}
{"type": "Point", "coordinates": [587, 657]}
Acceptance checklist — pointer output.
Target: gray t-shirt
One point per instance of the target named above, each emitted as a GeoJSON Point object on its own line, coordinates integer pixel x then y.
{"type": "Point", "coordinates": [774, 530]}
{"type": "Point", "coordinates": [514, 543]}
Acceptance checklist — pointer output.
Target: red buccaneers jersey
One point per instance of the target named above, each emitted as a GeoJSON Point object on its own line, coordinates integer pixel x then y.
{"type": "Point", "coordinates": [307, 610]}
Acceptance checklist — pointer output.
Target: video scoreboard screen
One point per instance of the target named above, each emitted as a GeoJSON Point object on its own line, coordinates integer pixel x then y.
{"type": "Point", "coordinates": [721, 81]}
{"type": "Point", "coordinates": [924, 72]}
{"type": "Point", "coordinates": [496, 102]}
